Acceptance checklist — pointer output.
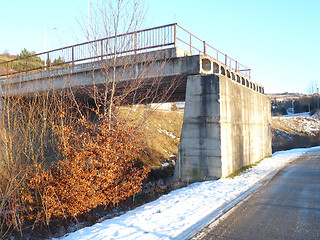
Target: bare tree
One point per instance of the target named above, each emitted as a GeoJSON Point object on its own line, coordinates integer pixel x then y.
{"type": "Point", "coordinates": [29, 135]}
{"type": "Point", "coordinates": [123, 84]}
{"type": "Point", "coordinates": [313, 87]}
{"type": "Point", "coordinates": [313, 90]}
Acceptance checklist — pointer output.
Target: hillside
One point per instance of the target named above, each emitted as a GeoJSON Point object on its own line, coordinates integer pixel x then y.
{"type": "Point", "coordinates": [161, 132]}
{"type": "Point", "coordinates": [295, 132]}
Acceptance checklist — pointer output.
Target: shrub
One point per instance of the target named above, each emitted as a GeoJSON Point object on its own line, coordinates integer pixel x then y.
{"type": "Point", "coordinates": [100, 168]}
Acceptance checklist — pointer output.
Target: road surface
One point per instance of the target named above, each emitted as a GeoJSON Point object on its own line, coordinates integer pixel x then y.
{"type": "Point", "coordinates": [287, 207]}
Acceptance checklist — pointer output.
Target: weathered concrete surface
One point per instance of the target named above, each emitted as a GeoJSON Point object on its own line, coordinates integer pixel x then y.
{"type": "Point", "coordinates": [226, 126]}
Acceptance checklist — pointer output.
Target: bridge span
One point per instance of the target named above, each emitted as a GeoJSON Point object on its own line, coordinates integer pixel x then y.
{"type": "Point", "coordinates": [227, 116]}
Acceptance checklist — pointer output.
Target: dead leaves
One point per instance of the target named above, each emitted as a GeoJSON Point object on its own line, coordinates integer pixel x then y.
{"type": "Point", "coordinates": [100, 168]}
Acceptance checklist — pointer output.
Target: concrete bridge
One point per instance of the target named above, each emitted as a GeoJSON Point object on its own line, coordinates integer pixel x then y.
{"type": "Point", "coordinates": [227, 116]}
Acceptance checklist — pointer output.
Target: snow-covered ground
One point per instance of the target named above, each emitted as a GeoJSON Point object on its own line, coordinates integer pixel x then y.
{"type": "Point", "coordinates": [179, 210]}
{"type": "Point", "coordinates": [304, 114]}
{"type": "Point", "coordinates": [297, 124]}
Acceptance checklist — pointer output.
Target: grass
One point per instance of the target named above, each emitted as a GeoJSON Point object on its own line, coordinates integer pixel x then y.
{"type": "Point", "coordinates": [243, 169]}
{"type": "Point", "coordinates": [160, 130]}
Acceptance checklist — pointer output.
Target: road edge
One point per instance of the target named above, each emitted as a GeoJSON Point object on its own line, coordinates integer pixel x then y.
{"type": "Point", "coordinates": [214, 216]}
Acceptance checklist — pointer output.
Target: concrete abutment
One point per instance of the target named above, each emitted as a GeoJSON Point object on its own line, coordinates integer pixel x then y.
{"type": "Point", "coordinates": [226, 126]}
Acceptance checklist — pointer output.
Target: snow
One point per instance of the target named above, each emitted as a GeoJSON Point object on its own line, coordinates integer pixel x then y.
{"type": "Point", "coordinates": [307, 125]}
{"type": "Point", "coordinates": [179, 210]}
{"type": "Point", "coordinates": [304, 114]}
{"type": "Point", "coordinates": [170, 134]}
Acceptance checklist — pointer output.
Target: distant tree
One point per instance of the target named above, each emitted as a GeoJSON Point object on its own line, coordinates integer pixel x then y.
{"type": "Point", "coordinates": [27, 61]}
{"type": "Point", "coordinates": [58, 61]}
{"type": "Point", "coordinates": [283, 111]}
{"type": "Point", "coordinates": [313, 87]}
{"type": "Point", "coordinates": [298, 107]}
{"type": "Point", "coordinates": [26, 53]}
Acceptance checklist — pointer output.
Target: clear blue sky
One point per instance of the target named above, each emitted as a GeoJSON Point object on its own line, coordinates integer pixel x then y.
{"type": "Point", "coordinates": [278, 39]}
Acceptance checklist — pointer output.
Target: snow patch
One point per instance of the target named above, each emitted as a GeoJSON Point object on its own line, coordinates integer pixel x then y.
{"type": "Point", "coordinates": [175, 212]}
{"type": "Point", "coordinates": [170, 134]}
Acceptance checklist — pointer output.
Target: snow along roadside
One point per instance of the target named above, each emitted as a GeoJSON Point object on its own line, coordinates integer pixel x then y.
{"type": "Point", "coordinates": [173, 214]}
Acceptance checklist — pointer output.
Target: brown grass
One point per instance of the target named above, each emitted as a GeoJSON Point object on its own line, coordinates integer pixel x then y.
{"type": "Point", "coordinates": [294, 132]}
{"type": "Point", "coordinates": [161, 133]}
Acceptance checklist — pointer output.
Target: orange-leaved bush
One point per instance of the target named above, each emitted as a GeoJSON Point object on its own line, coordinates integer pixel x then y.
{"type": "Point", "coordinates": [100, 169]}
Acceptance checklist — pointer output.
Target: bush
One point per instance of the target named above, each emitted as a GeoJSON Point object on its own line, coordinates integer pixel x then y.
{"type": "Point", "coordinates": [100, 168]}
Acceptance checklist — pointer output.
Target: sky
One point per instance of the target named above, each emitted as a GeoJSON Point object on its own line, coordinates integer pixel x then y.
{"type": "Point", "coordinates": [277, 39]}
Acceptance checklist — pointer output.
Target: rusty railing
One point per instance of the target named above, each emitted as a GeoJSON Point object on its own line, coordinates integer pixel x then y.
{"type": "Point", "coordinates": [193, 44]}
{"type": "Point", "coordinates": [121, 45]}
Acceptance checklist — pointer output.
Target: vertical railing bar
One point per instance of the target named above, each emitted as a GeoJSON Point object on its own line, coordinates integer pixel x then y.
{"type": "Point", "coordinates": [175, 35]}
{"type": "Point", "coordinates": [101, 49]}
{"type": "Point", "coordinates": [72, 55]}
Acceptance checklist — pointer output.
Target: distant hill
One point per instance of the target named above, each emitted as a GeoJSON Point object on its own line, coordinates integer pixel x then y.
{"type": "Point", "coordinates": [289, 103]}
{"type": "Point", "coordinates": [286, 96]}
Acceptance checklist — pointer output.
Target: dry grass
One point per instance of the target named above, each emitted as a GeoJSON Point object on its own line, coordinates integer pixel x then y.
{"type": "Point", "coordinates": [295, 132]}
{"type": "Point", "coordinates": [161, 133]}
{"type": "Point", "coordinates": [303, 126]}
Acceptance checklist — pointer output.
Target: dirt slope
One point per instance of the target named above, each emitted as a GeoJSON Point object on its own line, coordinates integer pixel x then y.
{"type": "Point", "coordinates": [295, 132]}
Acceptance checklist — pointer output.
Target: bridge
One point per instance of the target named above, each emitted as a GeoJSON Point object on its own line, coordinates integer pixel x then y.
{"type": "Point", "coordinates": [227, 116]}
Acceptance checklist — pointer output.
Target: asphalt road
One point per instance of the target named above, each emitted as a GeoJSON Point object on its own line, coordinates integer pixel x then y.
{"type": "Point", "coordinates": [287, 207]}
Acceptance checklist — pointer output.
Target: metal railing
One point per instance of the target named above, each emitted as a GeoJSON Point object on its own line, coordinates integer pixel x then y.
{"type": "Point", "coordinates": [121, 45]}
{"type": "Point", "coordinates": [195, 44]}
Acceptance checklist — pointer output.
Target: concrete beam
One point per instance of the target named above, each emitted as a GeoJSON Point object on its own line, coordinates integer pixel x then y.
{"type": "Point", "coordinates": [167, 64]}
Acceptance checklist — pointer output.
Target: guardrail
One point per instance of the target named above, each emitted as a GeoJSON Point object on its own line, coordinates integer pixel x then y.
{"type": "Point", "coordinates": [121, 45]}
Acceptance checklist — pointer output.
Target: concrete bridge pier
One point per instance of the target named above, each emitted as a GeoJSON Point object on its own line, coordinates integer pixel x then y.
{"type": "Point", "coordinates": [226, 126]}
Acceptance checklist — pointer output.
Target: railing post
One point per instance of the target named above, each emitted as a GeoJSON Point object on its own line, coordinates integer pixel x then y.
{"type": "Point", "coordinates": [101, 47]}
{"type": "Point", "coordinates": [204, 48]}
{"type": "Point", "coordinates": [175, 35]}
{"type": "Point", "coordinates": [72, 57]}
{"type": "Point", "coordinates": [236, 66]}
{"type": "Point", "coordinates": [135, 42]}
{"type": "Point", "coordinates": [226, 60]}
{"type": "Point", "coordinates": [190, 44]}
{"type": "Point", "coordinates": [48, 59]}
